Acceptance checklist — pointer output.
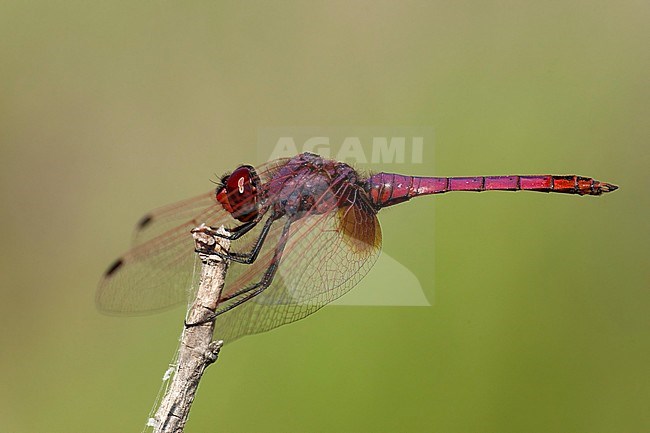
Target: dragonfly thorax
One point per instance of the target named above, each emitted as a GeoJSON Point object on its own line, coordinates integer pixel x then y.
{"type": "Point", "coordinates": [297, 197]}
{"type": "Point", "coordinates": [310, 185]}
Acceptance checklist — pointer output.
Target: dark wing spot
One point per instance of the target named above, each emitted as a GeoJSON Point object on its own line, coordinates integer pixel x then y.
{"type": "Point", "coordinates": [144, 221]}
{"type": "Point", "coordinates": [114, 267]}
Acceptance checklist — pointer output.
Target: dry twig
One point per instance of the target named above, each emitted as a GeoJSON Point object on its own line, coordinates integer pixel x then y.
{"type": "Point", "coordinates": [197, 350]}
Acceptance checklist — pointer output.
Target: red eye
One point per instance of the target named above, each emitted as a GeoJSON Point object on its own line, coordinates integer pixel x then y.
{"type": "Point", "coordinates": [222, 197]}
{"type": "Point", "coordinates": [239, 194]}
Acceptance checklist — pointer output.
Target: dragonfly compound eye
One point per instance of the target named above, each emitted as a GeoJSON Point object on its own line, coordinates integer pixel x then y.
{"type": "Point", "coordinates": [239, 195]}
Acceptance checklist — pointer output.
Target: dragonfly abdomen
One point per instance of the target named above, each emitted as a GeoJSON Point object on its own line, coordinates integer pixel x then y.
{"type": "Point", "coordinates": [387, 189]}
{"type": "Point", "coordinates": [570, 184]}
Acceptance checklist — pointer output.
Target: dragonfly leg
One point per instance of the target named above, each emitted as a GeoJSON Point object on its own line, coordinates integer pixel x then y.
{"type": "Point", "coordinates": [235, 232]}
{"type": "Point", "coordinates": [249, 257]}
{"type": "Point", "coordinates": [239, 231]}
{"type": "Point", "coordinates": [257, 288]}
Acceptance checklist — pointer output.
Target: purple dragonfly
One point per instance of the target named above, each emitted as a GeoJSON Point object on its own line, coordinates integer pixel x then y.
{"type": "Point", "coordinates": [304, 231]}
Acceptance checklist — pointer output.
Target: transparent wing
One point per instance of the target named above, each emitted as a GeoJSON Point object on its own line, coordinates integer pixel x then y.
{"type": "Point", "coordinates": [188, 213]}
{"type": "Point", "coordinates": [326, 255]}
{"type": "Point", "coordinates": [166, 219]}
{"type": "Point", "coordinates": [157, 272]}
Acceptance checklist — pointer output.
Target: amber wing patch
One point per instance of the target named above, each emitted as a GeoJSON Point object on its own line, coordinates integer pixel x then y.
{"type": "Point", "coordinates": [359, 228]}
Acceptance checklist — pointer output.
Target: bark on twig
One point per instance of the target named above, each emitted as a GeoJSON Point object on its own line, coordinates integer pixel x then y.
{"type": "Point", "coordinates": [197, 350]}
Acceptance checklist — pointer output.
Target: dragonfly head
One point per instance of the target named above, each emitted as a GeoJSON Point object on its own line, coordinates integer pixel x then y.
{"type": "Point", "coordinates": [239, 193]}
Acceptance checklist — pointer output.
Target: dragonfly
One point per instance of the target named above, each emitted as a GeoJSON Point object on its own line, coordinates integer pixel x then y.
{"type": "Point", "coordinates": [303, 231]}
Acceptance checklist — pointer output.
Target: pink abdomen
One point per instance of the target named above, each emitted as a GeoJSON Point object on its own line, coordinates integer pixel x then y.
{"type": "Point", "coordinates": [387, 189]}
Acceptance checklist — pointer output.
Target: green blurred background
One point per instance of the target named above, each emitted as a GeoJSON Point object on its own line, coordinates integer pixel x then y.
{"type": "Point", "coordinates": [540, 318]}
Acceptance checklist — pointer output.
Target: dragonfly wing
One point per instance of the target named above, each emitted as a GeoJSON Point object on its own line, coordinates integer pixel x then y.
{"type": "Point", "coordinates": [189, 212]}
{"type": "Point", "coordinates": [167, 218]}
{"type": "Point", "coordinates": [158, 272]}
{"type": "Point", "coordinates": [326, 255]}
